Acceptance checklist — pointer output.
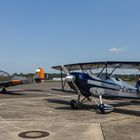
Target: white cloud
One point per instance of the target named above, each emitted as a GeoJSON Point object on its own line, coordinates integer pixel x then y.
{"type": "Point", "coordinates": [115, 50]}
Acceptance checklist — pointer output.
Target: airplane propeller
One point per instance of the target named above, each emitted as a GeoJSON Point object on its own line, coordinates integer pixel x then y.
{"type": "Point", "coordinates": [70, 79]}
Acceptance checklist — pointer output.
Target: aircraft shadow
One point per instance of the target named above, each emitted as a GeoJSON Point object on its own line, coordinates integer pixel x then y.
{"type": "Point", "coordinates": [128, 112]}
{"type": "Point", "coordinates": [136, 101]}
{"type": "Point", "coordinates": [68, 91]}
{"type": "Point", "coordinates": [12, 93]}
{"type": "Point", "coordinates": [94, 107]}
{"type": "Point", "coordinates": [121, 104]}
{"type": "Point", "coordinates": [82, 107]}
{"type": "Point", "coordinates": [34, 90]}
{"type": "Point", "coordinates": [18, 92]}
{"type": "Point", "coordinates": [60, 101]}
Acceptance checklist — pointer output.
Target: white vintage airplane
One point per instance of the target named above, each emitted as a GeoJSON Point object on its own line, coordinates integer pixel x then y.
{"type": "Point", "coordinates": [102, 85]}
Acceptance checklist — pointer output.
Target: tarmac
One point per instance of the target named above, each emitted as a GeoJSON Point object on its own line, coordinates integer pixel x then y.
{"type": "Point", "coordinates": [38, 111]}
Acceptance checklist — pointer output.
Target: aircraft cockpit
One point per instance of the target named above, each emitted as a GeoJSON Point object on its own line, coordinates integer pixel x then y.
{"type": "Point", "coordinates": [4, 76]}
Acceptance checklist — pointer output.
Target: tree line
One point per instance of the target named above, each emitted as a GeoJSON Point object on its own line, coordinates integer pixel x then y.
{"type": "Point", "coordinates": [50, 76]}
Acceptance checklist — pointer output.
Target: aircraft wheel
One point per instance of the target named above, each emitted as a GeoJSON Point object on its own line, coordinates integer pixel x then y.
{"type": "Point", "coordinates": [102, 108]}
{"type": "Point", "coordinates": [3, 91]}
{"type": "Point", "coordinates": [74, 104]}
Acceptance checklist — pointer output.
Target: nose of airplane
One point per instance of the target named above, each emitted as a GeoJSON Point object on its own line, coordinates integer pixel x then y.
{"type": "Point", "coordinates": [70, 78]}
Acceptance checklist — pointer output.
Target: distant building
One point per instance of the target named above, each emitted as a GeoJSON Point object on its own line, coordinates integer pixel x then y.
{"type": "Point", "coordinates": [58, 79]}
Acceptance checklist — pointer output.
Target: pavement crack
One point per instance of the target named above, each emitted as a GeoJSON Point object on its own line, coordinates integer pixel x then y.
{"type": "Point", "coordinates": [102, 131]}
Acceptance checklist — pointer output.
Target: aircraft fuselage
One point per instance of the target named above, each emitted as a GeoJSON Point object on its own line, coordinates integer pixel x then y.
{"type": "Point", "coordinates": [108, 87]}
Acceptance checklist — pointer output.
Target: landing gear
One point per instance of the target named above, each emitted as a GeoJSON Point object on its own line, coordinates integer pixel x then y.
{"type": "Point", "coordinates": [104, 108]}
{"type": "Point", "coordinates": [74, 104]}
{"type": "Point", "coordinates": [3, 90]}
{"type": "Point", "coordinates": [101, 108]}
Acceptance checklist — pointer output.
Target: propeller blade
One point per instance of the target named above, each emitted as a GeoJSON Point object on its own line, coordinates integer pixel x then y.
{"type": "Point", "coordinates": [65, 70]}
{"type": "Point", "coordinates": [69, 78]}
{"type": "Point", "coordinates": [75, 86]}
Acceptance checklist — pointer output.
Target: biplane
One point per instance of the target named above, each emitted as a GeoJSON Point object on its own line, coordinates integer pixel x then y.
{"type": "Point", "coordinates": [7, 80]}
{"type": "Point", "coordinates": [96, 86]}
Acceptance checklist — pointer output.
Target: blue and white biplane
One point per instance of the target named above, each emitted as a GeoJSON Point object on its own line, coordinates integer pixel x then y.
{"type": "Point", "coordinates": [101, 85]}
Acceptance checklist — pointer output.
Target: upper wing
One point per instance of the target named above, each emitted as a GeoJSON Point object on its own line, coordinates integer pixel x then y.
{"type": "Point", "coordinates": [96, 65]}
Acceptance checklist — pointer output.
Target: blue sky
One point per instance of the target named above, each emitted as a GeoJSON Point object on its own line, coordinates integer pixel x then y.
{"type": "Point", "coordinates": [44, 33]}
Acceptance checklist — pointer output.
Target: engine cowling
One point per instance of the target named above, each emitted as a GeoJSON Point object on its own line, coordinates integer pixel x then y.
{"type": "Point", "coordinates": [70, 78]}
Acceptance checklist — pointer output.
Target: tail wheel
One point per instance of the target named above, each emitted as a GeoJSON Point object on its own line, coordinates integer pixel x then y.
{"type": "Point", "coordinates": [74, 104]}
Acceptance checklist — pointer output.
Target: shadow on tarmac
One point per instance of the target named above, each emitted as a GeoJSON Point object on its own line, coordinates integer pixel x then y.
{"type": "Point", "coordinates": [59, 101]}
{"type": "Point", "coordinates": [12, 93]}
{"type": "Point", "coordinates": [127, 112]}
{"type": "Point", "coordinates": [89, 107]}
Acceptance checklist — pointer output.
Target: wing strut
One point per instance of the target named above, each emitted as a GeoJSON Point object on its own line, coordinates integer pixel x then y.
{"type": "Point", "coordinates": [101, 71]}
